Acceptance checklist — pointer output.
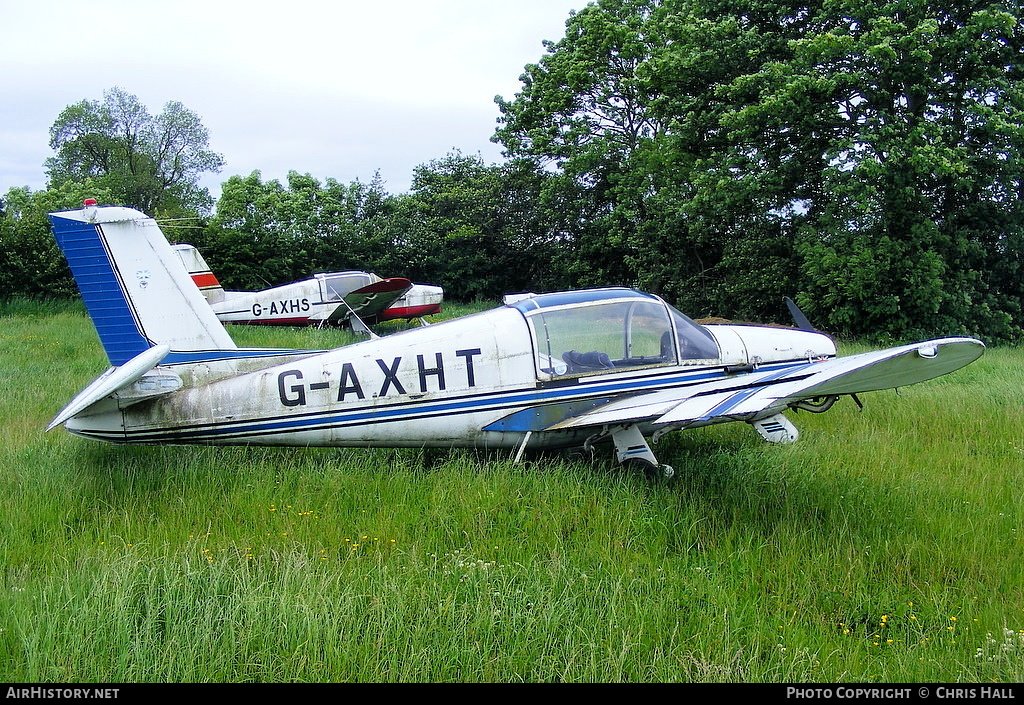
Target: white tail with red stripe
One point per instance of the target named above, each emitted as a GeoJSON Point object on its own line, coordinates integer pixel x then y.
{"type": "Point", "coordinates": [201, 273]}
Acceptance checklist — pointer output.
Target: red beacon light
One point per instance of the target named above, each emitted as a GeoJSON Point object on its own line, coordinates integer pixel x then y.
{"type": "Point", "coordinates": [89, 209]}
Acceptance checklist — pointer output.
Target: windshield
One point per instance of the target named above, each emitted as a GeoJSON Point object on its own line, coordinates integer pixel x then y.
{"type": "Point", "coordinates": [695, 341]}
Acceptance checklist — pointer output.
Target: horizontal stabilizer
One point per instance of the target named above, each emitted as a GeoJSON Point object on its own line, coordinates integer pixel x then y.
{"type": "Point", "coordinates": [113, 380]}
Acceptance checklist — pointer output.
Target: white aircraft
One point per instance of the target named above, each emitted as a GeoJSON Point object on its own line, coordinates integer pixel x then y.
{"type": "Point", "coordinates": [338, 298]}
{"type": "Point", "coordinates": [551, 370]}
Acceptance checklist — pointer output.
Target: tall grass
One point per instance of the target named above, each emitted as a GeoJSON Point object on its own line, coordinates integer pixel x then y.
{"type": "Point", "coordinates": [884, 546]}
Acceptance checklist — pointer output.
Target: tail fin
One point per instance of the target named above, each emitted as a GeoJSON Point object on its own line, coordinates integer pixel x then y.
{"type": "Point", "coordinates": [200, 272]}
{"type": "Point", "coordinates": [135, 288]}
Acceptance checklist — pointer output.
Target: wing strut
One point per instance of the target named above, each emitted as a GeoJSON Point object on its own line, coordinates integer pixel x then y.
{"type": "Point", "coordinates": [356, 323]}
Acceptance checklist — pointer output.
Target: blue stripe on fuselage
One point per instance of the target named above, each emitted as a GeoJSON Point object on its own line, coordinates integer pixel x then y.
{"type": "Point", "coordinates": [188, 357]}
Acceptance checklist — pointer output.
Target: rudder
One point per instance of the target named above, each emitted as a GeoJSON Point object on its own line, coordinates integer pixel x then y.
{"type": "Point", "coordinates": [135, 288]}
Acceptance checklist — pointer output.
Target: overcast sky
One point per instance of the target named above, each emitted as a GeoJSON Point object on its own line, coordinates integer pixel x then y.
{"type": "Point", "coordinates": [338, 89]}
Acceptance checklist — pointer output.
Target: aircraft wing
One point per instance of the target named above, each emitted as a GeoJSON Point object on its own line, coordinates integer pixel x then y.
{"type": "Point", "coordinates": [758, 394]}
{"type": "Point", "coordinates": [370, 301]}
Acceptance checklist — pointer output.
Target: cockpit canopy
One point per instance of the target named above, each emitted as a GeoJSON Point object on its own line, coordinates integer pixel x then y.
{"type": "Point", "coordinates": [336, 286]}
{"type": "Point", "coordinates": [607, 330]}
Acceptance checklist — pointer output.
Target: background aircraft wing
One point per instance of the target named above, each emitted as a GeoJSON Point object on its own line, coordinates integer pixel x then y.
{"type": "Point", "coordinates": [759, 394]}
{"type": "Point", "coordinates": [370, 301]}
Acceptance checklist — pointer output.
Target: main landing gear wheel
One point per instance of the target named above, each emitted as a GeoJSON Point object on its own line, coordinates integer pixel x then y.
{"type": "Point", "coordinates": [652, 471]}
{"type": "Point", "coordinates": [585, 454]}
{"type": "Point", "coordinates": [632, 450]}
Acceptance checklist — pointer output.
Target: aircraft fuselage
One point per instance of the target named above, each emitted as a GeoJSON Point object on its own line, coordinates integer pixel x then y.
{"type": "Point", "coordinates": [433, 386]}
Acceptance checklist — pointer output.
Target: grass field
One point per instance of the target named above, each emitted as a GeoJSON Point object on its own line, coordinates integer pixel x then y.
{"type": "Point", "coordinates": [884, 546]}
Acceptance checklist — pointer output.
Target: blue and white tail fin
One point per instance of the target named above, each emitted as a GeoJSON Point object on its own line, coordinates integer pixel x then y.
{"type": "Point", "coordinates": [135, 287]}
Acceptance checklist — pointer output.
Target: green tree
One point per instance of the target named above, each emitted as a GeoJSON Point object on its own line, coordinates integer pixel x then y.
{"type": "Point", "coordinates": [146, 162]}
{"type": "Point", "coordinates": [251, 242]}
{"type": "Point", "coordinates": [33, 265]}
{"type": "Point", "coordinates": [481, 230]}
{"type": "Point", "coordinates": [583, 113]}
{"type": "Point", "coordinates": [731, 151]}
{"type": "Point", "coordinates": [903, 121]}
{"type": "Point", "coordinates": [266, 233]}
{"type": "Point", "coordinates": [623, 110]}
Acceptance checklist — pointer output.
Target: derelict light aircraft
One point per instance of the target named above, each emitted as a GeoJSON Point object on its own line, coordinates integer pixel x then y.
{"type": "Point", "coordinates": [542, 371]}
{"type": "Point", "coordinates": [339, 298]}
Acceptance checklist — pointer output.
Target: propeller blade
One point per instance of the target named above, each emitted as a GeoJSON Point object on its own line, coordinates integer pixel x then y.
{"type": "Point", "coordinates": [798, 316]}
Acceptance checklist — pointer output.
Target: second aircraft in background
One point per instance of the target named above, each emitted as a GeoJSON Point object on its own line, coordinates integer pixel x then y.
{"type": "Point", "coordinates": [338, 298]}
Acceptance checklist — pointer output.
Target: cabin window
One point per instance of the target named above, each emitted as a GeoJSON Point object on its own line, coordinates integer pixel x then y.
{"type": "Point", "coordinates": [336, 287]}
{"type": "Point", "coordinates": [602, 337]}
